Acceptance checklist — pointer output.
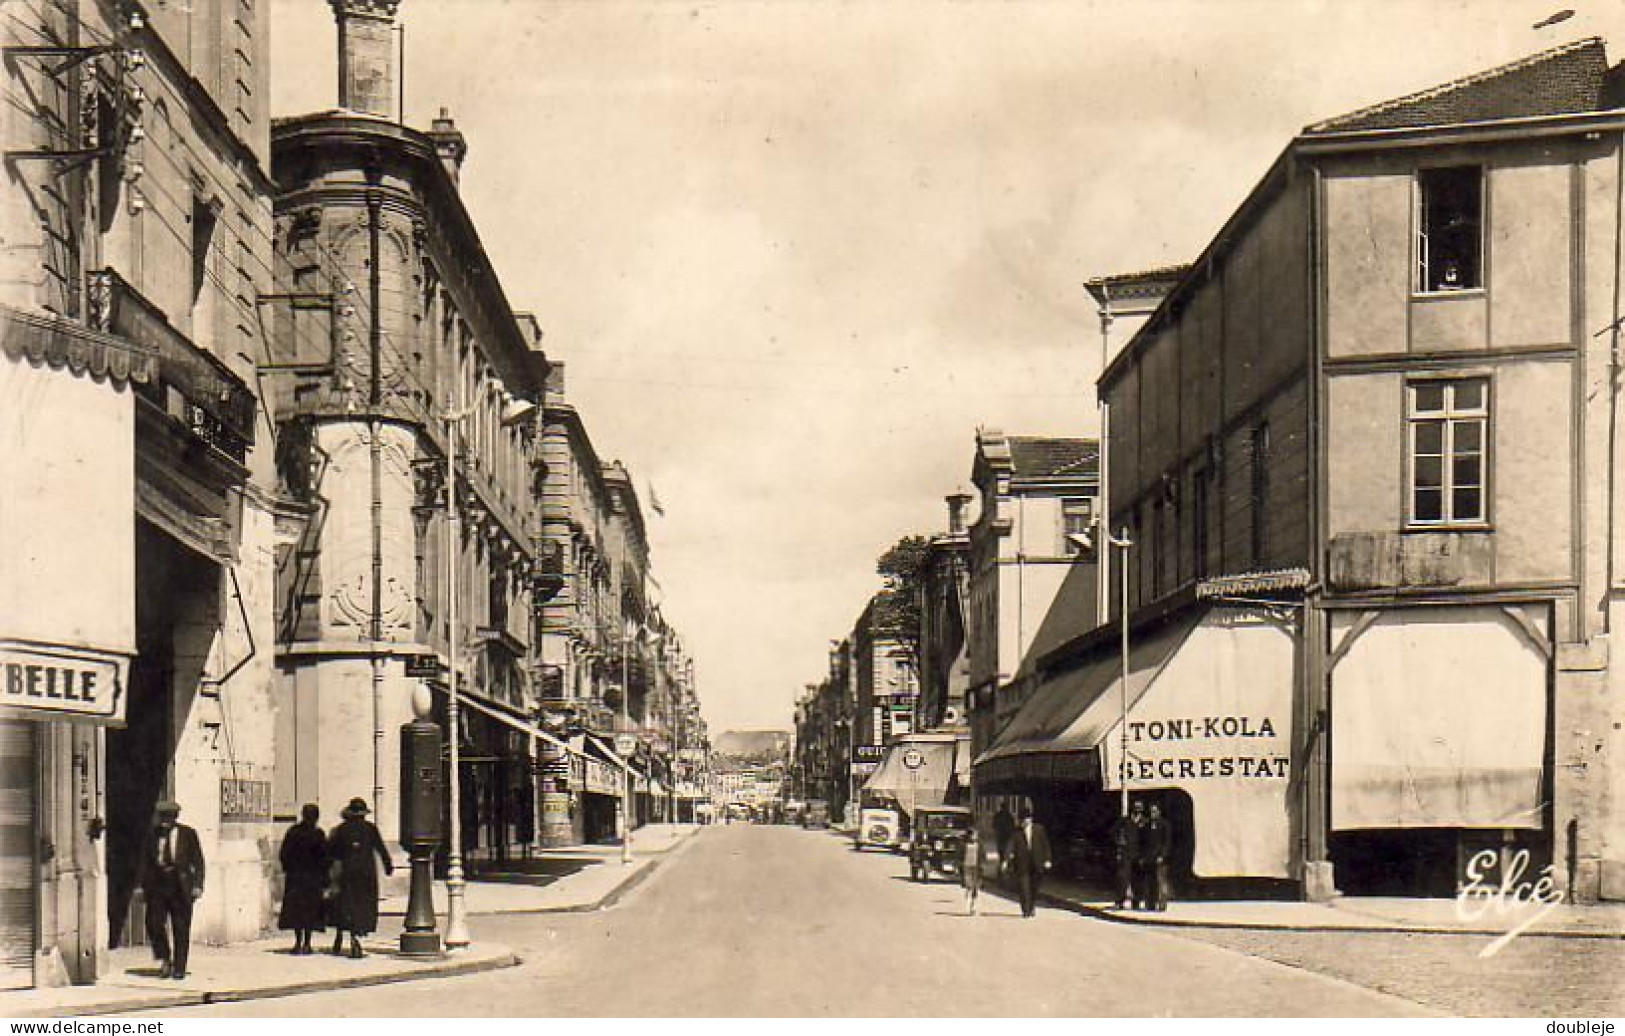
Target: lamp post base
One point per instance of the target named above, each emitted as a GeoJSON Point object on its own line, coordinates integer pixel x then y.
{"type": "Point", "coordinates": [457, 937]}
{"type": "Point", "coordinates": [420, 938]}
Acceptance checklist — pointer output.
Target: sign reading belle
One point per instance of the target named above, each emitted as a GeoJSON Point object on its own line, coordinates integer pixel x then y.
{"type": "Point", "coordinates": [50, 681]}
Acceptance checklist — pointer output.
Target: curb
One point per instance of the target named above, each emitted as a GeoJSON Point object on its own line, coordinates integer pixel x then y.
{"type": "Point", "coordinates": [1113, 916]}
{"type": "Point", "coordinates": [604, 902]}
{"type": "Point", "coordinates": [162, 1001]}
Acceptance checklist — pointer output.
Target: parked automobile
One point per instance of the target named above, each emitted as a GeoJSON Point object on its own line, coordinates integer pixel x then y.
{"type": "Point", "coordinates": [938, 844]}
{"type": "Point", "coordinates": [815, 814]}
{"type": "Point", "coordinates": [879, 826]}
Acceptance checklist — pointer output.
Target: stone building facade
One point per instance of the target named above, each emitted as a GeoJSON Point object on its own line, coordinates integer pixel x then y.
{"type": "Point", "coordinates": [136, 256]}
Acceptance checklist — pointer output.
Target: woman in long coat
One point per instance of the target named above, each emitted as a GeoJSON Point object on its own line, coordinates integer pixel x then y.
{"type": "Point", "coordinates": [351, 847]}
{"type": "Point", "coordinates": [304, 866]}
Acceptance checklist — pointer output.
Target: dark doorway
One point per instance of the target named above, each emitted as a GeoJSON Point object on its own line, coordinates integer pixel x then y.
{"type": "Point", "coordinates": [168, 579]}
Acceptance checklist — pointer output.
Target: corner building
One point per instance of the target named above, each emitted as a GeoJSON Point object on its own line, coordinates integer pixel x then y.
{"type": "Point", "coordinates": [141, 510]}
{"type": "Point", "coordinates": [389, 319]}
{"type": "Point", "coordinates": [1367, 453]}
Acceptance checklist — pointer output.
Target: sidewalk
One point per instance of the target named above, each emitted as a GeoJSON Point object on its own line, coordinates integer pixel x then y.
{"type": "Point", "coordinates": [1354, 914]}
{"type": "Point", "coordinates": [244, 971]}
{"type": "Point", "coordinates": [578, 878]}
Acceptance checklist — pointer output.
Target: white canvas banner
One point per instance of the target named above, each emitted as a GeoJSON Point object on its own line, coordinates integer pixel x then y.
{"type": "Point", "coordinates": [1216, 723]}
{"type": "Point", "coordinates": [1439, 720]}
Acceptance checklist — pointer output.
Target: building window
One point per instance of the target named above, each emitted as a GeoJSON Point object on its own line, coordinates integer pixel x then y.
{"type": "Point", "coordinates": [1259, 450]}
{"type": "Point", "coordinates": [1199, 516]}
{"type": "Point", "coordinates": [1448, 436]}
{"type": "Point", "coordinates": [1450, 244]}
{"type": "Point", "coordinates": [1077, 525]}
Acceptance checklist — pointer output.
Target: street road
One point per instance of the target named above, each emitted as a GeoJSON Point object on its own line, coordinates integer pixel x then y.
{"type": "Point", "coordinates": [776, 921]}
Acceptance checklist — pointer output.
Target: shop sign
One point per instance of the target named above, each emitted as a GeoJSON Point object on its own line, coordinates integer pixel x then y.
{"type": "Point", "coordinates": [423, 667]}
{"type": "Point", "coordinates": [864, 769]}
{"type": "Point", "coordinates": [64, 683]}
{"type": "Point", "coordinates": [244, 801]}
{"type": "Point", "coordinates": [868, 753]}
{"type": "Point", "coordinates": [601, 778]}
{"type": "Point", "coordinates": [1188, 748]}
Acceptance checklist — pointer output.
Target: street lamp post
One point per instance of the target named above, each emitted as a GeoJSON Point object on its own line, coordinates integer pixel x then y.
{"type": "Point", "coordinates": [457, 936]}
{"type": "Point", "coordinates": [627, 808]}
{"type": "Point", "coordinates": [1123, 543]}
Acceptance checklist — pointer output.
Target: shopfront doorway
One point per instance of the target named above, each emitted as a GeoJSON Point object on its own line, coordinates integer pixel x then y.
{"type": "Point", "coordinates": [176, 593]}
{"type": "Point", "coordinates": [18, 869]}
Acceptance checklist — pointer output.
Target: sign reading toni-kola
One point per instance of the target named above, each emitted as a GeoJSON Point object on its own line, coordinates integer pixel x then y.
{"type": "Point", "coordinates": [1187, 748]}
{"type": "Point", "coordinates": [57, 682]}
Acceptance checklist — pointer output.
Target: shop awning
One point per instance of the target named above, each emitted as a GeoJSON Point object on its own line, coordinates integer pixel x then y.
{"type": "Point", "coordinates": [1209, 711]}
{"type": "Point", "coordinates": [1065, 714]}
{"type": "Point", "coordinates": [609, 753]}
{"type": "Point", "coordinates": [1439, 717]}
{"type": "Point", "coordinates": [926, 784]}
{"type": "Point", "coordinates": [515, 722]}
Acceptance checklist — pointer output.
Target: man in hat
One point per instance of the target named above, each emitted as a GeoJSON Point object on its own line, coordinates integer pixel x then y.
{"type": "Point", "coordinates": [171, 880]}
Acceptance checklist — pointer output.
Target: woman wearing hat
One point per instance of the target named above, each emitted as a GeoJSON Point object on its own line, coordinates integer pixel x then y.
{"type": "Point", "coordinates": [351, 847]}
{"type": "Point", "coordinates": [304, 864]}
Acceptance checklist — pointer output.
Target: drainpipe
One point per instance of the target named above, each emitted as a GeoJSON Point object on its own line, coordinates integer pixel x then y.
{"type": "Point", "coordinates": [375, 398]}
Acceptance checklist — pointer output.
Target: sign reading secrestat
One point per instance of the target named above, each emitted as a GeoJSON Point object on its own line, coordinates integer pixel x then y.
{"type": "Point", "coordinates": [54, 682]}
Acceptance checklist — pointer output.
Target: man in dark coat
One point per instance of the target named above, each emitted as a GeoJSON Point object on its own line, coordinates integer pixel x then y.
{"type": "Point", "coordinates": [352, 846]}
{"type": "Point", "coordinates": [1127, 834]}
{"type": "Point", "coordinates": [1156, 843]}
{"type": "Point", "coordinates": [304, 869]}
{"type": "Point", "coordinates": [171, 877]}
{"type": "Point", "coordinates": [1029, 859]}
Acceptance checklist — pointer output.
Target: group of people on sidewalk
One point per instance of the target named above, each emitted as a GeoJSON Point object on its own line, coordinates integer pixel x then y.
{"type": "Point", "coordinates": [1143, 840]}
{"type": "Point", "coordinates": [1024, 858]}
{"type": "Point", "coordinates": [331, 879]}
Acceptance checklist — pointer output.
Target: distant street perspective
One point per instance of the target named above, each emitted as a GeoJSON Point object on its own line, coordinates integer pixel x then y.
{"type": "Point", "coordinates": [810, 508]}
{"type": "Point", "coordinates": [763, 920]}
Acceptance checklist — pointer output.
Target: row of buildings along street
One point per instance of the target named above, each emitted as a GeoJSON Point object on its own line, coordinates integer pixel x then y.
{"type": "Point", "coordinates": [248, 362]}
{"type": "Point", "coordinates": [1358, 508]}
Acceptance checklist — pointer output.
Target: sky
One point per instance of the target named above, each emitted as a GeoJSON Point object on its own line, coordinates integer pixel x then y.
{"type": "Point", "coordinates": [793, 254]}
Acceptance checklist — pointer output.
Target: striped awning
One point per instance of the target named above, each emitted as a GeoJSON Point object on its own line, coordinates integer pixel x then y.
{"type": "Point", "coordinates": [61, 344]}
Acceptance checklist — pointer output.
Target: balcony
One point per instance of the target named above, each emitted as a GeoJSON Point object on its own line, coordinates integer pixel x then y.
{"type": "Point", "coordinates": [193, 387]}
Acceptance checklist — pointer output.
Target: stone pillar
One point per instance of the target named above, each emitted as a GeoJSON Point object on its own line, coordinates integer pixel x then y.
{"type": "Point", "coordinates": [366, 54]}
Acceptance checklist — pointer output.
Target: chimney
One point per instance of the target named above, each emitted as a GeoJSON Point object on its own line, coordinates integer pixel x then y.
{"type": "Point", "coordinates": [366, 54]}
{"type": "Point", "coordinates": [449, 144]}
{"type": "Point", "coordinates": [956, 512]}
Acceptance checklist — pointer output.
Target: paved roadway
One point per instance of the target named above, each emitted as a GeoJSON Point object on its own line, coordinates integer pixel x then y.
{"type": "Point", "coordinates": [776, 921]}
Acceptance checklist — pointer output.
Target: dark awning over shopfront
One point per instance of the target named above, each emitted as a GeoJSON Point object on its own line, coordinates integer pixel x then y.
{"type": "Point", "coordinates": [1047, 726]}
{"type": "Point", "coordinates": [1208, 712]}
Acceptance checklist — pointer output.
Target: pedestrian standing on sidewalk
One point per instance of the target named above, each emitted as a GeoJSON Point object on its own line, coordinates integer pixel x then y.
{"type": "Point", "coordinates": [1127, 835]}
{"type": "Point", "coordinates": [1030, 859]}
{"type": "Point", "coordinates": [351, 847]}
{"type": "Point", "coordinates": [1156, 843]}
{"type": "Point", "coordinates": [304, 868]}
{"type": "Point", "coordinates": [171, 877]}
{"type": "Point", "coordinates": [970, 869]}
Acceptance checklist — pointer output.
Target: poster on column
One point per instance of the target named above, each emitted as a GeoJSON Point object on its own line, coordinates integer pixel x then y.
{"type": "Point", "coordinates": [1215, 723]}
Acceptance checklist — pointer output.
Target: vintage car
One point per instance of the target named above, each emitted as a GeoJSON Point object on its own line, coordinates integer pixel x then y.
{"type": "Point", "coordinates": [879, 826]}
{"type": "Point", "coordinates": [816, 814]}
{"type": "Point", "coordinates": [938, 844]}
